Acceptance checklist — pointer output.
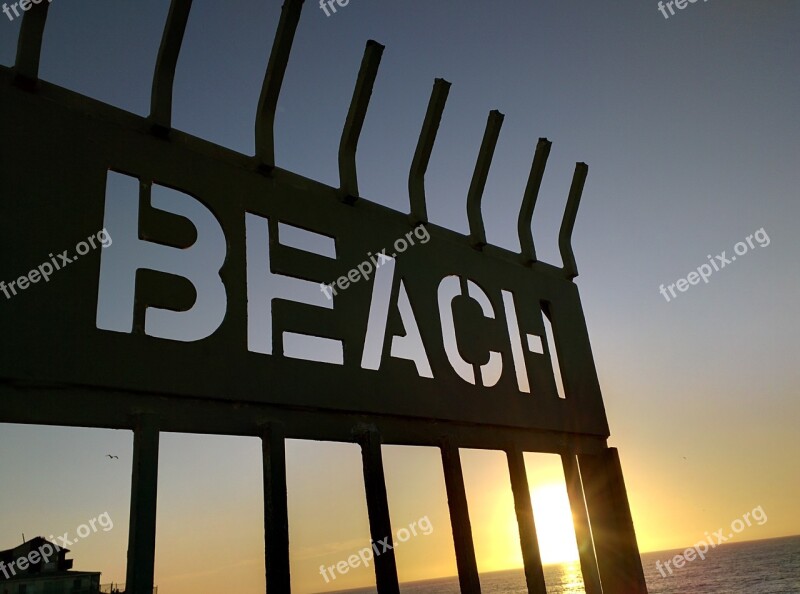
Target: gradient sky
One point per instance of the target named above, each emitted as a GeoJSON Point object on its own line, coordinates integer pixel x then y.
{"type": "Point", "coordinates": [691, 131]}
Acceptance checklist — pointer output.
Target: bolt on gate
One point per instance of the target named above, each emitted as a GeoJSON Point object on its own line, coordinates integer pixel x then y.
{"type": "Point", "coordinates": [181, 325]}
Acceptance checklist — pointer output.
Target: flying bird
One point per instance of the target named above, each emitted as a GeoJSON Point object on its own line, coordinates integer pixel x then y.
{"type": "Point", "coordinates": [110, 457]}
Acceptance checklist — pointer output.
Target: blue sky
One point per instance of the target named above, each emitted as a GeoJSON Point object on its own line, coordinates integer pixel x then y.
{"type": "Point", "coordinates": [690, 129]}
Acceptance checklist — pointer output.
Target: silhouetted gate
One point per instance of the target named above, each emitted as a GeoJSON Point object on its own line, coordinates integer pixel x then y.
{"type": "Point", "coordinates": [446, 345]}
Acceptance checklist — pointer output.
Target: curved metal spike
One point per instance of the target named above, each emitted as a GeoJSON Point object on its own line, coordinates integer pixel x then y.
{"type": "Point", "coordinates": [570, 212]}
{"type": "Point", "coordinates": [273, 79]}
{"type": "Point", "coordinates": [29, 45]}
{"type": "Point", "coordinates": [348, 175]}
{"type": "Point", "coordinates": [477, 233]}
{"type": "Point", "coordinates": [422, 155]}
{"type": "Point", "coordinates": [527, 249]}
{"type": "Point", "coordinates": [164, 75]}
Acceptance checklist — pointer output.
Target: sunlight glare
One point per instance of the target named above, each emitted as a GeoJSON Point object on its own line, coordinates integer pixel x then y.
{"type": "Point", "coordinates": [554, 528]}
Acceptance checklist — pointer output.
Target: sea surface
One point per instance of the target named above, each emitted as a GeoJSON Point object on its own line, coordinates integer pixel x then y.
{"type": "Point", "coordinates": [758, 567]}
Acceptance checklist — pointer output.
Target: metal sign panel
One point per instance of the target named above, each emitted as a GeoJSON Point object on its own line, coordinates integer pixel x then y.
{"type": "Point", "coordinates": [230, 279]}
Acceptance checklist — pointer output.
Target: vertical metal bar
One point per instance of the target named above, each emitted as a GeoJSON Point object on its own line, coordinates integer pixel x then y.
{"type": "Point", "coordinates": [164, 75]}
{"type": "Point", "coordinates": [348, 174]}
{"type": "Point", "coordinates": [477, 233]}
{"type": "Point", "coordinates": [583, 533]}
{"type": "Point", "coordinates": [144, 492]}
{"type": "Point", "coordinates": [422, 154]}
{"type": "Point", "coordinates": [534, 574]}
{"type": "Point", "coordinates": [380, 525]}
{"type": "Point", "coordinates": [618, 558]}
{"type": "Point", "coordinates": [527, 249]}
{"type": "Point", "coordinates": [568, 222]}
{"type": "Point", "coordinates": [29, 45]}
{"type": "Point", "coordinates": [459, 519]}
{"type": "Point", "coordinates": [273, 80]}
{"type": "Point", "coordinates": [625, 521]}
{"type": "Point", "coordinates": [276, 514]}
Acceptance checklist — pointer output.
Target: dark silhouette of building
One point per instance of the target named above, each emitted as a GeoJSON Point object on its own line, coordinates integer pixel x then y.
{"type": "Point", "coordinates": [38, 566]}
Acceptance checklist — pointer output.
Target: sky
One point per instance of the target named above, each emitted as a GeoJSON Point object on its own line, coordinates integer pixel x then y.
{"type": "Point", "coordinates": [689, 127]}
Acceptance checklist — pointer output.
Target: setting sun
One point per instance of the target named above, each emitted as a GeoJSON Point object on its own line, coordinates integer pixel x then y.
{"type": "Point", "coordinates": [554, 526]}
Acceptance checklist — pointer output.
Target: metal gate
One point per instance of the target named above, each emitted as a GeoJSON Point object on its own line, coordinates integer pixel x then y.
{"type": "Point", "coordinates": [455, 355]}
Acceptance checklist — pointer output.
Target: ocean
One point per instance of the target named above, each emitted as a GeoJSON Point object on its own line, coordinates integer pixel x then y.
{"type": "Point", "coordinates": [757, 567]}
